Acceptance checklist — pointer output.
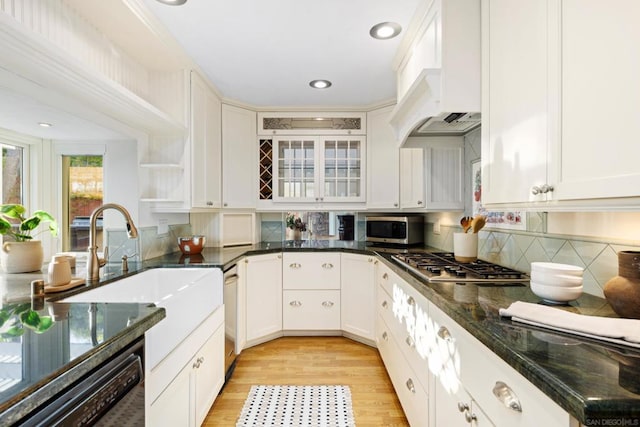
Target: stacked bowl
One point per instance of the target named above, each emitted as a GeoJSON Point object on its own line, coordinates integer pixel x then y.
{"type": "Point", "coordinates": [556, 283]}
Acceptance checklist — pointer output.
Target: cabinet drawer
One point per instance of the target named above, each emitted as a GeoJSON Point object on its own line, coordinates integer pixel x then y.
{"type": "Point", "coordinates": [405, 326]}
{"type": "Point", "coordinates": [311, 270]}
{"type": "Point", "coordinates": [311, 310]}
{"type": "Point", "coordinates": [481, 370]}
{"type": "Point", "coordinates": [413, 397]}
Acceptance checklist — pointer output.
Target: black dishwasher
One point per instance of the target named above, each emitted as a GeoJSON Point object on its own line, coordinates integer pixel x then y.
{"type": "Point", "coordinates": [113, 394]}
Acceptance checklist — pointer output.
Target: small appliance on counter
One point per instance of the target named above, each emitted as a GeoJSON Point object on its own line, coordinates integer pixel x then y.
{"type": "Point", "coordinates": [346, 227]}
{"type": "Point", "coordinates": [395, 230]}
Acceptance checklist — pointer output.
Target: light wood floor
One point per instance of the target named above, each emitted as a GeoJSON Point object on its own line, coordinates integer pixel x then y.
{"type": "Point", "coordinates": [313, 361]}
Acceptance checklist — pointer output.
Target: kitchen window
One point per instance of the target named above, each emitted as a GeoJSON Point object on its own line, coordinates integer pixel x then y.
{"type": "Point", "coordinates": [13, 161]}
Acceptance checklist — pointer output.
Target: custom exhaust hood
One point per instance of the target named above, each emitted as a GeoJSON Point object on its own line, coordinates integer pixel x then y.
{"type": "Point", "coordinates": [448, 124]}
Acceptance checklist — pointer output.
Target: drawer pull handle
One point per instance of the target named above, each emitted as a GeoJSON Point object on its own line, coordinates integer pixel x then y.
{"type": "Point", "coordinates": [505, 395]}
{"type": "Point", "coordinates": [327, 265]}
{"type": "Point", "coordinates": [411, 301]}
{"type": "Point", "coordinates": [327, 304]}
{"type": "Point", "coordinates": [410, 386]}
{"type": "Point", "coordinates": [463, 407]}
{"type": "Point", "coordinates": [444, 333]}
{"type": "Point", "coordinates": [385, 336]}
{"type": "Point", "coordinates": [410, 342]}
{"type": "Point", "coordinates": [295, 265]}
{"type": "Point", "coordinates": [385, 276]}
{"type": "Point", "coordinates": [295, 303]}
{"type": "Point", "coordinates": [470, 417]}
{"type": "Point", "coordinates": [385, 304]}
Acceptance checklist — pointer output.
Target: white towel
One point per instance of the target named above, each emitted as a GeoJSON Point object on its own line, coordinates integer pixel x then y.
{"type": "Point", "coordinates": [611, 329]}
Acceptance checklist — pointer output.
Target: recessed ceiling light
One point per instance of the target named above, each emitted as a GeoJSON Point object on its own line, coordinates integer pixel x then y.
{"type": "Point", "coordinates": [45, 125]}
{"type": "Point", "coordinates": [320, 84]}
{"type": "Point", "coordinates": [173, 2]}
{"type": "Point", "coordinates": [385, 30]}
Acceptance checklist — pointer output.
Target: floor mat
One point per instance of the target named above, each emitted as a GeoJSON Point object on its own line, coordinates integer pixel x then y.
{"type": "Point", "coordinates": [286, 405]}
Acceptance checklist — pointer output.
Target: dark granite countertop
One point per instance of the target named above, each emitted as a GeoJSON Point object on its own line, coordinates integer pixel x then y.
{"type": "Point", "coordinates": [592, 380]}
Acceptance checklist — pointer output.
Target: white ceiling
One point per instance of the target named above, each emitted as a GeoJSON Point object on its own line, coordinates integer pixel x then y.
{"type": "Point", "coordinates": [265, 53]}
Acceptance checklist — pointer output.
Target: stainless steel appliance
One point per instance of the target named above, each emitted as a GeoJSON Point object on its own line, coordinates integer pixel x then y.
{"type": "Point", "coordinates": [396, 230]}
{"type": "Point", "coordinates": [442, 267]}
{"type": "Point", "coordinates": [230, 299]}
{"type": "Point", "coordinates": [112, 394]}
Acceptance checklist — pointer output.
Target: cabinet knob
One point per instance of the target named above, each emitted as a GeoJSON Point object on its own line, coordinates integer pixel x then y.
{"type": "Point", "coordinates": [327, 304]}
{"type": "Point", "coordinates": [470, 417]}
{"type": "Point", "coordinates": [385, 276]}
{"type": "Point", "coordinates": [463, 407]}
{"type": "Point", "coordinates": [385, 336]}
{"type": "Point", "coordinates": [385, 304]}
{"type": "Point", "coordinates": [542, 189]}
{"type": "Point", "coordinates": [295, 304]}
{"type": "Point", "coordinates": [444, 334]}
{"type": "Point", "coordinates": [225, 204]}
{"type": "Point", "coordinates": [419, 202]}
{"type": "Point", "coordinates": [395, 205]}
{"type": "Point", "coordinates": [295, 265]}
{"type": "Point", "coordinates": [370, 260]}
{"type": "Point", "coordinates": [279, 256]}
{"type": "Point", "coordinates": [411, 301]}
{"type": "Point", "coordinates": [410, 386]}
{"type": "Point", "coordinates": [505, 395]}
{"type": "Point", "coordinates": [209, 203]}
{"type": "Point", "coordinates": [327, 266]}
{"type": "Point", "coordinates": [410, 342]}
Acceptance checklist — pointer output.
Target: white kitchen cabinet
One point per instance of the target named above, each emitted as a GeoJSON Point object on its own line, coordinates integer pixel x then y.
{"type": "Point", "coordinates": [319, 169]}
{"type": "Point", "coordinates": [264, 296]}
{"type": "Point", "coordinates": [181, 389]}
{"type": "Point", "coordinates": [547, 66]}
{"type": "Point", "coordinates": [358, 290]}
{"type": "Point", "coordinates": [383, 161]}
{"type": "Point", "coordinates": [431, 174]}
{"type": "Point", "coordinates": [311, 310]}
{"type": "Point", "coordinates": [411, 178]}
{"type": "Point", "coordinates": [239, 158]}
{"type": "Point", "coordinates": [311, 270]}
{"type": "Point", "coordinates": [464, 359]}
{"type": "Point", "coordinates": [206, 145]}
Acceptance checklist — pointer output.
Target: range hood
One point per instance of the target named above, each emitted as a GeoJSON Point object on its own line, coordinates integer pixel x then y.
{"type": "Point", "coordinates": [448, 124]}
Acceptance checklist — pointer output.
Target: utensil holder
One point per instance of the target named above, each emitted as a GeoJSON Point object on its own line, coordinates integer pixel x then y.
{"type": "Point", "coordinates": [465, 247]}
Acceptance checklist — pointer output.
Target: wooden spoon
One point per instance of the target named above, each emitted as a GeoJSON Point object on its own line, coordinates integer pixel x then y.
{"type": "Point", "coordinates": [465, 222]}
{"type": "Point", "coordinates": [477, 223]}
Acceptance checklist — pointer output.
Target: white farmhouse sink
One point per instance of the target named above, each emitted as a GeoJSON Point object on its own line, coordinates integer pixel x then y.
{"type": "Point", "coordinates": [189, 296]}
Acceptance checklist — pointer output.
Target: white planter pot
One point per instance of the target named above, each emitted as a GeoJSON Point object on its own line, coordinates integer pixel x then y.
{"type": "Point", "coordinates": [21, 257]}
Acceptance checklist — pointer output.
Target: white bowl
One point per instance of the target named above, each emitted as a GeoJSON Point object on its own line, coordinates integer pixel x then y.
{"type": "Point", "coordinates": [551, 279]}
{"type": "Point", "coordinates": [556, 294]}
{"type": "Point", "coordinates": [555, 268]}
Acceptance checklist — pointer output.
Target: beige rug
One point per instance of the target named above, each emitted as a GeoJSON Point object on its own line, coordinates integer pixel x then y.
{"type": "Point", "coordinates": [285, 405]}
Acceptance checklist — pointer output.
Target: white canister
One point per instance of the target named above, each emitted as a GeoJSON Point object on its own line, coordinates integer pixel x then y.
{"type": "Point", "coordinates": [465, 247]}
{"type": "Point", "coordinates": [59, 272]}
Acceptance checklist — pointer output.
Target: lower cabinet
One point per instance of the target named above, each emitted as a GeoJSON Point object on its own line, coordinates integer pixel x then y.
{"type": "Point", "coordinates": [188, 396]}
{"type": "Point", "coordinates": [263, 296]}
{"type": "Point", "coordinates": [357, 277]}
{"type": "Point", "coordinates": [310, 309]}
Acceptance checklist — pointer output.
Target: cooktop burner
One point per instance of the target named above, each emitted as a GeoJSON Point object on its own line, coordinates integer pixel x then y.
{"type": "Point", "coordinates": [442, 267]}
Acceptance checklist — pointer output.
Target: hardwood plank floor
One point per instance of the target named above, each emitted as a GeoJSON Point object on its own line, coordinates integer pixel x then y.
{"type": "Point", "coordinates": [313, 361]}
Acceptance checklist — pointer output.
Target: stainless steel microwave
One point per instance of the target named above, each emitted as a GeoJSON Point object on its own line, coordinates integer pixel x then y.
{"type": "Point", "coordinates": [396, 230]}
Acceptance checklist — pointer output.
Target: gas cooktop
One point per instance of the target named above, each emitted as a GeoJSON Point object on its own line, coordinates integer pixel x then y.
{"type": "Point", "coordinates": [442, 267]}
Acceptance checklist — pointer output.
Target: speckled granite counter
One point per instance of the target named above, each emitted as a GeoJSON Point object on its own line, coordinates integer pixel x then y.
{"type": "Point", "coordinates": [593, 381]}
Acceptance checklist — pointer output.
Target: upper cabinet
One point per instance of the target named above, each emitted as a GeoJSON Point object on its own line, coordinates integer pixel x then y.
{"type": "Point", "coordinates": [206, 145]}
{"type": "Point", "coordinates": [318, 169]}
{"type": "Point", "coordinates": [438, 64]}
{"type": "Point", "coordinates": [383, 162]}
{"type": "Point", "coordinates": [547, 67]}
{"type": "Point", "coordinates": [239, 158]}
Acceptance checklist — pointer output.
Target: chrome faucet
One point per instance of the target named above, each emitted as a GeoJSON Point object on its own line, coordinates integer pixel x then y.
{"type": "Point", "coordinates": [93, 262]}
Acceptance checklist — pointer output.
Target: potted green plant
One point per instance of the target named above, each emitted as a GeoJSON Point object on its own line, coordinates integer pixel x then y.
{"type": "Point", "coordinates": [22, 253]}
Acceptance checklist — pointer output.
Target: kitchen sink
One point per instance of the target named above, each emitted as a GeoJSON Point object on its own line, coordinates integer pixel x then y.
{"type": "Point", "coordinates": [189, 296]}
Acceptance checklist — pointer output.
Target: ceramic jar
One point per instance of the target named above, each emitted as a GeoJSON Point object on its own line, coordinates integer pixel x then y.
{"type": "Point", "coordinates": [623, 290]}
{"type": "Point", "coordinates": [59, 272]}
{"type": "Point", "coordinates": [21, 257]}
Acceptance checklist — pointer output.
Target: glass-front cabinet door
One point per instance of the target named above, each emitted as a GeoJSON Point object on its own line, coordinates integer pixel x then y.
{"type": "Point", "coordinates": [318, 169]}
{"type": "Point", "coordinates": [343, 169]}
{"type": "Point", "coordinates": [295, 169]}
